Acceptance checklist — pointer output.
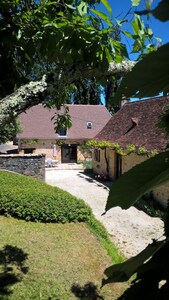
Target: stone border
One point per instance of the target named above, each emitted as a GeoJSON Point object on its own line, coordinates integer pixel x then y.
{"type": "Point", "coordinates": [28, 164]}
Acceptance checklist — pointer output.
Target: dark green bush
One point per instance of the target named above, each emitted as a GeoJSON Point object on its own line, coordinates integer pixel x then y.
{"type": "Point", "coordinates": [151, 207]}
{"type": "Point", "coordinates": [27, 198]}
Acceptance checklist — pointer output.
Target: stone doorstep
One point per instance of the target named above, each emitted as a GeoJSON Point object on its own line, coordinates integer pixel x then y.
{"type": "Point", "coordinates": [71, 166]}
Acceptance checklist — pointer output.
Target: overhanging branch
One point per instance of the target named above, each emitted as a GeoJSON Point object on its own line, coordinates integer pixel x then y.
{"type": "Point", "coordinates": [35, 92]}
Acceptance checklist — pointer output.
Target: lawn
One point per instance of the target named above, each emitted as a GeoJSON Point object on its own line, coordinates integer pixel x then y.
{"type": "Point", "coordinates": [43, 261]}
{"type": "Point", "coordinates": [45, 252]}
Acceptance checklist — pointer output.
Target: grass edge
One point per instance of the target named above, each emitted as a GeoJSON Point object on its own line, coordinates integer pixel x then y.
{"type": "Point", "coordinates": [100, 232]}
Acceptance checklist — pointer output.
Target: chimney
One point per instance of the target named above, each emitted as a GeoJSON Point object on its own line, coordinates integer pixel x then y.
{"type": "Point", "coordinates": [124, 100]}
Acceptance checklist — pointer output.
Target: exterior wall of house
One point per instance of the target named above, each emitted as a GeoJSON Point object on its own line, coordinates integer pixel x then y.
{"type": "Point", "coordinates": [38, 147]}
{"type": "Point", "coordinates": [161, 193]}
{"type": "Point", "coordinates": [83, 155]}
{"type": "Point", "coordinates": [128, 162]}
{"type": "Point", "coordinates": [30, 165]}
{"type": "Point", "coordinates": [131, 160]}
{"type": "Point", "coordinates": [46, 147]}
{"type": "Point", "coordinates": [100, 167]}
{"type": "Point", "coordinates": [112, 164]}
{"type": "Point", "coordinates": [49, 152]}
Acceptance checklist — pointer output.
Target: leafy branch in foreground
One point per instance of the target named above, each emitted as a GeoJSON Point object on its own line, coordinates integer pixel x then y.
{"type": "Point", "coordinates": [150, 266]}
{"type": "Point", "coordinates": [150, 76]}
{"type": "Point", "coordinates": [152, 275]}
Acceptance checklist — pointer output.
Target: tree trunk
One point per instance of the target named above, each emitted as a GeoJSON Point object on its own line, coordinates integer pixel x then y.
{"type": "Point", "coordinates": [35, 92]}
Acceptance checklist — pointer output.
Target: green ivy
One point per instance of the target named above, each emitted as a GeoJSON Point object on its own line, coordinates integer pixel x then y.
{"type": "Point", "coordinates": [142, 151]}
{"type": "Point", "coordinates": [131, 148]}
{"type": "Point", "coordinates": [120, 150]}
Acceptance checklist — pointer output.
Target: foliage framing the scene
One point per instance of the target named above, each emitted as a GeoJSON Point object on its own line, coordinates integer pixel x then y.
{"type": "Point", "coordinates": [52, 45]}
{"type": "Point", "coordinates": [68, 41]}
{"type": "Point", "coordinates": [150, 266]}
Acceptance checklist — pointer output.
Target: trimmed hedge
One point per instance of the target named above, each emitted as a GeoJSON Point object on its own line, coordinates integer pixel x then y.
{"type": "Point", "coordinates": [32, 200]}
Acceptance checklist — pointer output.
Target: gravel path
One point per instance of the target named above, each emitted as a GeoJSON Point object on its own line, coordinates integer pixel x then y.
{"type": "Point", "coordinates": [131, 230]}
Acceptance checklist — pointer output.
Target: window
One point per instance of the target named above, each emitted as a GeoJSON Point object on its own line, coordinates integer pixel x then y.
{"type": "Point", "coordinates": [89, 125]}
{"type": "Point", "coordinates": [62, 132]}
{"type": "Point", "coordinates": [97, 155]}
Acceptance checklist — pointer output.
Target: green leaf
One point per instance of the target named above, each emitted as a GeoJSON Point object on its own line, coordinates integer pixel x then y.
{"type": "Point", "coordinates": [82, 8]}
{"type": "Point", "coordinates": [70, 6]}
{"type": "Point", "coordinates": [19, 34]}
{"type": "Point", "coordinates": [150, 32]}
{"type": "Point", "coordinates": [102, 16]}
{"type": "Point", "coordinates": [138, 25]}
{"type": "Point", "coordinates": [149, 77]}
{"type": "Point", "coordinates": [120, 49]}
{"type": "Point", "coordinates": [148, 5]}
{"type": "Point", "coordinates": [107, 5]}
{"type": "Point", "coordinates": [135, 2]}
{"type": "Point", "coordinates": [130, 35]}
{"type": "Point", "coordinates": [123, 271]}
{"type": "Point", "coordinates": [125, 191]}
{"type": "Point", "coordinates": [120, 22]}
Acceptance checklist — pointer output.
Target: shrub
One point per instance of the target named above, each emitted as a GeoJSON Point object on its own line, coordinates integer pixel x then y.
{"type": "Point", "coordinates": [27, 198]}
{"type": "Point", "coordinates": [151, 207]}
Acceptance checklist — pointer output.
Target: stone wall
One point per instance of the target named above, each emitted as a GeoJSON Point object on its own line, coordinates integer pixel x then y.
{"type": "Point", "coordinates": [28, 164]}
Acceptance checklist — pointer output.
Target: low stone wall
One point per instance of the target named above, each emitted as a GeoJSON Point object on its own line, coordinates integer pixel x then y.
{"type": "Point", "coordinates": [28, 164]}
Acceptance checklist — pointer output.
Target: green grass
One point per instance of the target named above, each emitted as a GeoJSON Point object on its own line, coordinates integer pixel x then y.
{"type": "Point", "coordinates": [42, 260]}
{"type": "Point", "coordinates": [52, 257]}
{"type": "Point", "coordinates": [102, 235]}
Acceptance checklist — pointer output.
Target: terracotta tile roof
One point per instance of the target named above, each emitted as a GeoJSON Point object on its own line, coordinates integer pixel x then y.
{"type": "Point", "coordinates": [36, 122]}
{"type": "Point", "coordinates": [137, 123]}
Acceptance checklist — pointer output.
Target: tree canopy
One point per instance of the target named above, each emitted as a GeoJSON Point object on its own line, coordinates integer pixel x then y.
{"type": "Point", "coordinates": [150, 75]}
{"type": "Point", "coordinates": [49, 45]}
{"type": "Point", "coordinates": [45, 47]}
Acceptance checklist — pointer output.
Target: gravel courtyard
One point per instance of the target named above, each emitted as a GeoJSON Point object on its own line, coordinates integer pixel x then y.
{"type": "Point", "coordinates": [131, 230]}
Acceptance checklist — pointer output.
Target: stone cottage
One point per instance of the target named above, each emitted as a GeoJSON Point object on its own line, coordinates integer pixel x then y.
{"type": "Point", "coordinates": [135, 124]}
{"type": "Point", "coordinates": [38, 134]}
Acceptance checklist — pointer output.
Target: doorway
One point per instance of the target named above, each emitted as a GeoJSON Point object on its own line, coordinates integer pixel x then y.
{"type": "Point", "coordinates": [69, 153]}
{"type": "Point", "coordinates": [118, 165]}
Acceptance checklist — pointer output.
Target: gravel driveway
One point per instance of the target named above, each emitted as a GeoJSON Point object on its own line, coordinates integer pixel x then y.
{"type": "Point", "coordinates": [131, 230]}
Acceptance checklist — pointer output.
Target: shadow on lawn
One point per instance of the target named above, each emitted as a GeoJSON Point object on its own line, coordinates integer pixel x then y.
{"type": "Point", "coordinates": [12, 267]}
{"type": "Point", "coordinates": [88, 291]}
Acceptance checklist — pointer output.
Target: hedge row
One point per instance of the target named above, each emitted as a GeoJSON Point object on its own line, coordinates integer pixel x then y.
{"type": "Point", "coordinates": [27, 198]}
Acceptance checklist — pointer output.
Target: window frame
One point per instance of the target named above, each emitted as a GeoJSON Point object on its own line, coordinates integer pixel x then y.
{"type": "Point", "coordinates": [89, 125]}
{"type": "Point", "coordinates": [97, 154]}
{"type": "Point", "coordinates": [60, 132]}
